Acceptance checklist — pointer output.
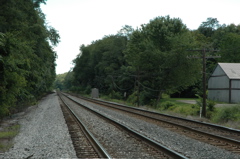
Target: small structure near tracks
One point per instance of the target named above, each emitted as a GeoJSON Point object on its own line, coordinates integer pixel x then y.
{"type": "Point", "coordinates": [224, 83]}
{"type": "Point", "coordinates": [95, 93]}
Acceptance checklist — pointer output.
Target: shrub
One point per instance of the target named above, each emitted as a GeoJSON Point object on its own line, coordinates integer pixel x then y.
{"type": "Point", "coordinates": [185, 109]}
{"type": "Point", "coordinates": [210, 105]}
{"type": "Point", "coordinates": [4, 110]}
{"type": "Point", "coordinates": [166, 105]}
{"type": "Point", "coordinates": [115, 95]}
{"type": "Point", "coordinates": [226, 114]}
{"type": "Point", "coordinates": [132, 98]}
{"type": "Point", "coordinates": [210, 108]}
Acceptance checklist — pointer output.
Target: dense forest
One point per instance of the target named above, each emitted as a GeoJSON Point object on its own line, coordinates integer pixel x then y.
{"type": "Point", "coordinates": [151, 60]}
{"type": "Point", "coordinates": [27, 59]}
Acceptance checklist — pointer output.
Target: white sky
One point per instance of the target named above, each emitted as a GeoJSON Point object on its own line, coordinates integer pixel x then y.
{"type": "Point", "coordinates": [83, 21]}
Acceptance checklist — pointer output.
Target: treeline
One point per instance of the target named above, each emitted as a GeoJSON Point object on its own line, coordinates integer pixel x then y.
{"type": "Point", "coordinates": [151, 60]}
{"type": "Point", "coordinates": [27, 60]}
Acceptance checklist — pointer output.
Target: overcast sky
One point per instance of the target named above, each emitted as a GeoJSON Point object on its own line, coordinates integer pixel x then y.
{"type": "Point", "coordinates": [83, 21]}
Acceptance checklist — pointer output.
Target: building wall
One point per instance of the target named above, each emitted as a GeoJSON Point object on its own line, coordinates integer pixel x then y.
{"type": "Point", "coordinates": [218, 82]}
{"type": "Point", "coordinates": [218, 87]}
{"type": "Point", "coordinates": [235, 96]}
{"type": "Point", "coordinates": [218, 95]}
{"type": "Point", "coordinates": [236, 84]}
{"type": "Point", "coordinates": [218, 71]}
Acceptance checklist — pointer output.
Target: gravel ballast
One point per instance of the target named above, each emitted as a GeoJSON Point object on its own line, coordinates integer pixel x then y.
{"type": "Point", "coordinates": [116, 142]}
{"type": "Point", "coordinates": [182, 144]}
{"type": "Point", "coordinates": [43, 133]}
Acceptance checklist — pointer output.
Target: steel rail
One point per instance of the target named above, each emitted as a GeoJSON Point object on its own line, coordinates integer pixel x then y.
{"type": "Point", "coordinates": [232, 130]}
{"type": "Point", "coordinates": [94, 142]}
{"type": "Point", "coordinates": [147, 140]}
{"type": "Point", "coordinates": [213, 136]}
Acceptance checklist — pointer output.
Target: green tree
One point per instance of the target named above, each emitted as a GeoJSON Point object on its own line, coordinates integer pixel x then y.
{"type": "Point", "coordinates": [99, 64]}
{"type": "Point", "coordinates": [59, 81]}
{"type": "Point", "coordinates": [157, 53]}
{"type": "Point", "coordinates": [126, 31]}
{"type": "Point", "coordinates": [27, 60]}
{"type": "Point", "coordinates": [68, 82]}
{"type": "Point", "coordinates": [230, 48]}
{"type": "Point", "coordinates": [209, 27]}
{"type": "Point", "coordinates": [226, 39]}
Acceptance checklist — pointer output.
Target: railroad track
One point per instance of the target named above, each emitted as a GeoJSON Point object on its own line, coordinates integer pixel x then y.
{"type": "Point", "coordinates": [152, 146]}
{"type": "Point", "coordinates": [86, 146]}
{"type": "Point", "coordinates": [219, 136]}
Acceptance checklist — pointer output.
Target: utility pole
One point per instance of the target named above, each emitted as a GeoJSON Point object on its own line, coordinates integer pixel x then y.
{"type": "Point", "coordinates": [204, 83]}
{"type": "Point", "coordinates": [137, 86]}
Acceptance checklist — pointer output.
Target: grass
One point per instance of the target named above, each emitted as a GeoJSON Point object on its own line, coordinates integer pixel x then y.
{"type": "Point", "coordinates": [10, 132]}
{"type": "Point", "coordinates": [174, 106]}
{"type": "Point", "coordinates": [5, 136]}
{"type": "Point", "coordinates": [116, 101]}
{"type": "Point", "coordinates": [227, 114]}
{"type": "Point", "coordinates": [5, 146]}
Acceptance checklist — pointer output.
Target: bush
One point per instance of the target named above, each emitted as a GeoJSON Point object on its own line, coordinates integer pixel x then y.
{"type": "Point", "coordinates": [226, 114]}
{"type": "Point", "coordinates": [4, 110]}
{"type": "Point", "coordinates": [210, 105]}
{"type": "Point", "coordinates": [88, 90]}
{"type": "Point", "coordinates": [187, 110]}
{"type": "Point", "coordinates": [132, 98]}
{"type": "Point", "coordinates": [115, 95]}
{"type": "Point", "coordinates": [210, 108]}
{"type": "Point", "coordinates": [166, 105]}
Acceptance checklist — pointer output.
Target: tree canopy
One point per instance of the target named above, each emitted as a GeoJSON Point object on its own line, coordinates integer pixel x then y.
{"type": "Point", "coordinates": [152, 59]}
{"type": "Point", "coordinates": [148, 60]}
{"type": "Point", "coordinates": [27, 60]}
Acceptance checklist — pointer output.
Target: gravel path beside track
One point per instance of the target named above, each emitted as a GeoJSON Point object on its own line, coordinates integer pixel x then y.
{"type": "Point", "coordinates": [43, 133]}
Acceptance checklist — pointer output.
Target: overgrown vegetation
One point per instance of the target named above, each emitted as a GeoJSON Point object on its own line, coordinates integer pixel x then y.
{"type": "Point", "coordinates": [174, 106]}
{"type": "Point", "coordinates": [27, 59]}
{"type": "Point", "coordinates": [227, 114]}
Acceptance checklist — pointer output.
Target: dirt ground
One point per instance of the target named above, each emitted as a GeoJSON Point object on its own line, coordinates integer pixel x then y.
{"type": "Point", "coordinates": [188, 101]}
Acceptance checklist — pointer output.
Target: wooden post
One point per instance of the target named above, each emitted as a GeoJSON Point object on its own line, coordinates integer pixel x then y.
{"type": "Point", "coordinates": [204, 110]}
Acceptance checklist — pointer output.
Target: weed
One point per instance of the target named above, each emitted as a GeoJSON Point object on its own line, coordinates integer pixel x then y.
{"type": "Point", "coordinates": [10, 132]}
{"type": "Point", "coordinates": [226, 114]}
{"type": "Point", "coordinates": [5, 136]}
{"type": "Point", "coordinates": [132, 98]}
{"type": "Point", "coordinates": [166, 105]}
{"type": "Point", "coordinates": [5, 146]}
{"type": "Point", "coordinates": [187, 110]}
